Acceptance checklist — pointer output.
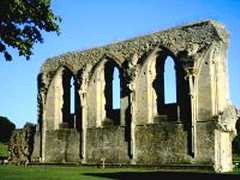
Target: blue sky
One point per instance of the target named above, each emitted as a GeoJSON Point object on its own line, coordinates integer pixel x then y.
{"type": "Point", "coordinates": [92, 23]}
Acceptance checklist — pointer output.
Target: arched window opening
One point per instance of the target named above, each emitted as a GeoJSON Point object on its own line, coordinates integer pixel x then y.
{"type": "Point", "coordinates": [70, 103]}
{"type": "Point", "coordinates": [169, 81]}
{"type": "Point", "coordinates": [165, 89]}
{"type": "Point", "coordinates": [72, 96]}
{"type": "Point", "coordinates": [116, 89]}
{"type": "Point", "coordinates": [112, 92]}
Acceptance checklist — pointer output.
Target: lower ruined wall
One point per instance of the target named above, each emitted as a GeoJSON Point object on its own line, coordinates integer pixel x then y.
{"type": "Point", "coordinates": [36, 154]}
{"type": "Point", "coordinates": [158, 144]}
{"type": "Point", "coordinates": [205, 142]}
{"type": "Point", "coordinates": [163, 143]}
{"type": "Point", "coordinates": [62, 146]}
{"type": "Point", "coordinates": [166, 143]}
{"type": "Point", "coordinates": [107, 142]}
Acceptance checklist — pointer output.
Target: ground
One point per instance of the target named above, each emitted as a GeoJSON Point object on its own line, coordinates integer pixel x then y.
{"type": "Point", "coordinates": [3, 150]}
{"type": "Point", "coordinates": [86, 173]}
{"type": "Point", "coordinates": [51, 172]}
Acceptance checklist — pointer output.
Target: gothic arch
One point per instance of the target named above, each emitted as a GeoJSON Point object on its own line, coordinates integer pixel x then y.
{"type": "Point", "coordinates": [108, 57]}
{"type": "Point", "coordinates": [51, 74]}
{"type": "Point", "coordinates": [101, 108]}
{"type": "Point", "coordinates": [58, 98]}
{"type": "Point", "coordinates": [152, 72]}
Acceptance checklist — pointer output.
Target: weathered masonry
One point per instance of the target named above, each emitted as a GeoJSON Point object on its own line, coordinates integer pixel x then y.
{"type": "Point", "coordinates": [78, 123]}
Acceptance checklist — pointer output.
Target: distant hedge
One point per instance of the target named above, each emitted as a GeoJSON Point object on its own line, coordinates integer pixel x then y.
{"type": "Point", "coordinates": [6, 129]}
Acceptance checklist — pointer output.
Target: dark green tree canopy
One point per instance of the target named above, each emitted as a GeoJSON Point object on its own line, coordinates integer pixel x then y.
{"type": "Point", "coordinates": [21, 24]}
{"type": "Point", "coordinates": [6, 129]}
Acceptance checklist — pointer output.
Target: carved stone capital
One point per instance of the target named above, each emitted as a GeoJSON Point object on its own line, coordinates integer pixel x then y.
{"type": "Point", "coordinates": [226, 120]}
{"type": "Point", "coordinates": [83, 78]}
{"type": "Point", "coordinates": [131, 72]}
{"type": "Point", "coordinates": [190, 71]}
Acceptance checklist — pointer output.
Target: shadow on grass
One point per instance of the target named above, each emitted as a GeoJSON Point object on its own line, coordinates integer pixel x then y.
{"type": "Point", "coordinates": [164, 175]}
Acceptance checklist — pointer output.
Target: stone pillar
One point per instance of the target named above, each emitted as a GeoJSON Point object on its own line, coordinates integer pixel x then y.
{"type": "Point", "coordinates": [52, 115]}
{"type": "Point", "coordinates": [132, 124]}
{"type": "Point", "coordinates": [83, 128]}
{"type": "Point", "coordinates": [83, 82]}
{"type": "Point", "coordinates": [225, 131]}
{"type": "Point", "coordinates": [223, 152]}
{"type": "Point", "coordinates": [100, 99]}
{"type": "Point", "coordinates": [131, 75]}
{"type": "Point", "coordinates": [191, 76]}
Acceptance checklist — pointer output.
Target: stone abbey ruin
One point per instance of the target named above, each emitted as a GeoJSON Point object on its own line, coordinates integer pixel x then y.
{"type": "Point", "coordinates": [196, 130]}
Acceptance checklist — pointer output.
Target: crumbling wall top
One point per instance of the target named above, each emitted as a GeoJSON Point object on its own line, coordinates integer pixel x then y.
{"type": "Point", "coordinates": [192, 39]}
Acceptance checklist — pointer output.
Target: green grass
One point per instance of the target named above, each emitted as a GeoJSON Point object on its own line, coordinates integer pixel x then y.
{"type": "Point", "coordinates": [3, 150]}
{"type": "Point", "coordinates": [43, 172]}
{"type": "Point", "coordinates": [11, 172]}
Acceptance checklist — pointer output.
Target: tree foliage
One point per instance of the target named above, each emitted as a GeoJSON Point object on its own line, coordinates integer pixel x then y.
{"type": "Point", "coordinates": [6, 129]}
{"type": "Point", "coordinates": [21, 25]}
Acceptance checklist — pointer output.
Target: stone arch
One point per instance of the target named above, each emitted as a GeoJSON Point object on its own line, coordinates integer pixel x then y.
{"type": "Point", "coordinates": [164, 108]}
{"type": "Point", "coordinates": [107, 57]}
{"type": "Point", "coordinates": [181, 109]}
{"type": "Point", "coordinates": [152, 72]}
{"type": "Point", "coordinates": [100, 105]}
{"type": "Point", "coordinates": [70, 98]}
{"type": "Point", "coordinates": [211, 81]}
{"type": "Point", "coordinates": [57, 107]}
{"type": "Point", "coordinates": [113, 57]}
{"type": "Point", "coordinates": [49, 75]}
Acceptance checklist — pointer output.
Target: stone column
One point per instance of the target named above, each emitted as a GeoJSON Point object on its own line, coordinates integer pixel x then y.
{"type": "Point", "coordinates": [84, 79]}
{"type": "Point", "coordinates": [132, 124]}
{"type": "Point", "coordinates": [191, 76]}
{"type": "Point", "coordinates": [225, 131]}
{"type": "Point", "coordinates": [131, 85]}
{"type": "Point", "coordinates": [83, 125]}
{"type": "Point", "coordinates": [41, 99]}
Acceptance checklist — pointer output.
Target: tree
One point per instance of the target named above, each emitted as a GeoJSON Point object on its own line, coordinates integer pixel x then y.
{"type": "Point", "coordinates": [6, 129]}
{"type": "Point", "coordinates": [21, 25]}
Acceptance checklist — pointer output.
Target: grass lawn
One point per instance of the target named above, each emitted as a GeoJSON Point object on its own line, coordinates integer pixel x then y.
{"type": "Point", "coordinates": [3, 150]}
{"type": "Point", "coordinates": [86, 173]}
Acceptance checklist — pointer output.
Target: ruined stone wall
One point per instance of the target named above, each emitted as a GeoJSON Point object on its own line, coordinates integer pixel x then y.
{"type": "Point", "coordinates": [106, 143]}
{"type": "Point", "coordinates": [21, 145]}
{"type": "Point", "coordinates": [147, 131]}
{"type": "Point", "coordinates": [63, 145]}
